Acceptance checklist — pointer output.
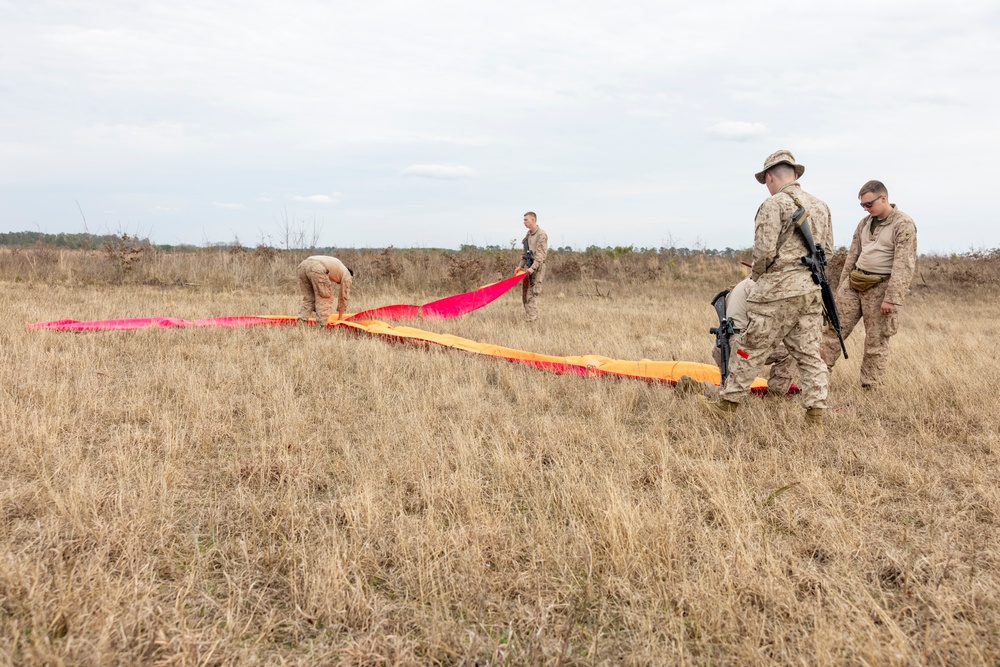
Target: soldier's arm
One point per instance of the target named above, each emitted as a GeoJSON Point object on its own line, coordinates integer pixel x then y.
{"type": "Point", "coordinates": [767, 226]}
{"type": "Point", "coordinates": [345, 295]}
{"type": "Point", "coordinates": [828, 232]}
{"type": "Point", "coordinates": [541, 249]}
{"type": "Point", "coordinates": [904, 262]}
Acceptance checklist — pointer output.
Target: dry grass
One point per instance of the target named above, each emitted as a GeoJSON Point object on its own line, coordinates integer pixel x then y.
{"type": "Point", "coordinates": [282, 496]}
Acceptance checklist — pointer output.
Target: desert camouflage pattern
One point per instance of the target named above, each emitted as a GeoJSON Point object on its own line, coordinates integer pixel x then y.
{"type": "Point", "coordinates": [796, 322]}
{"type": "Point", "coordinates": [891, 249]}
{"type": "Point", "coordinates": [779, 378]}
{"type": "Point", "coordinates": [785, 306]}
{"type": "Point", "coordinates": [778, 249]}
{"type": "Point", "coordinates": [853, 307]}
{"type": "Point", "coordinates": [531, 287]}
{"type": "Point", "coordinates": [317, 275]}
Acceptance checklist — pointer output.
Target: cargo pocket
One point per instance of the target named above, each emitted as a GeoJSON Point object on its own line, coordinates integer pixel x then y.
{"type": "Point", "coordinates": [324, 288]}
{"type": "Point", "coordinates": [890, 324]}
{"type": "Point", "coordinates": [754, 336]}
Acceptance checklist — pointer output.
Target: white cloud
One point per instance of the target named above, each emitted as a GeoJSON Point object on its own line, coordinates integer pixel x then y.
{"type": "Point", "coordinates": [230, 207]}
{"type": "Point", "coordinates": [319, 199]}
{"type": "Point", "coordinates": [736, 131]}
{"type": "Point", "coordinates": [439, 171]}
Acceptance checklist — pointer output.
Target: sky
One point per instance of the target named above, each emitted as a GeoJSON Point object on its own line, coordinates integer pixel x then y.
{"type": "Point", "coordinates": [439, 123]}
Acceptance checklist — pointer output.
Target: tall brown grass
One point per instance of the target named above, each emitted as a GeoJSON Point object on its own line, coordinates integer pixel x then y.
{"type": "Point", "coordinates": [297, 496]}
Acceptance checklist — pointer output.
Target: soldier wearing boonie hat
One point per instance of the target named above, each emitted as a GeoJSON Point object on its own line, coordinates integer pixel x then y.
{"type": "Point", "coordinates": [776, 158]}
{"type": "Point", "coordinates": [785, 305]}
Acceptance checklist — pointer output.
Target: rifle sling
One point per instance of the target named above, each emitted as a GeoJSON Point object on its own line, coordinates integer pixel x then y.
{"type": "Point", "coordinates": [784, 234]}
{"type": "Point", "coordinates": [803, 225]}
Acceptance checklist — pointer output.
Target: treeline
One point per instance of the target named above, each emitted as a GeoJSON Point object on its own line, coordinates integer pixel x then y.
{"type": "Point", "coordinates": [86, 241]}
{"type": "Point", "coordinates": [68, 241]}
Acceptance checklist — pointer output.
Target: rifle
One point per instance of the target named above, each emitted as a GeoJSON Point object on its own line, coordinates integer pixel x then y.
{"type": "Point", "coordinates": [529, 259]}
{"type": "Point", "coordinates": [816, 261]}
{"type": "Point", "coordinates": [722, 332]}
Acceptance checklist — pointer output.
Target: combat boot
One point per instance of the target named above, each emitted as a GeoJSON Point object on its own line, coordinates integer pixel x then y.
{"type": "Point", "coordinates": [814, 418]}
{"type": "Point", "coordinates": [718, 408]}
{"type": "Point", "coordinates": [688, 386]}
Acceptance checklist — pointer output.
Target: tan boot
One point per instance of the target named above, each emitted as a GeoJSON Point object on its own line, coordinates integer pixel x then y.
{"type": "Point", "coordinates": [718, 408]}
{"type": "Point", "coordinates": [814, 418]}
{"type": "Point", "coordinates": [688, 386]}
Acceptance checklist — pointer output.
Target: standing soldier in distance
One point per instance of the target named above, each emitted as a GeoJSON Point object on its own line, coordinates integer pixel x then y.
{"type": "Point", "coordinates": [875, 280]}
{"type": "Point", "coordinates": [317, 274]}
{"type": "Point", "coordinates": [785, 305]}
{"type": "Point", "coordinates": [536, 247]}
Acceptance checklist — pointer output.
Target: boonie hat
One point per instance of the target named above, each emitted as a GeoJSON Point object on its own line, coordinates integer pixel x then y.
{"type": "Point", "coordinates": [778, 157]}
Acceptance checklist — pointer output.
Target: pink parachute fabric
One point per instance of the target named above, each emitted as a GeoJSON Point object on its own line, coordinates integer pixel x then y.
{"type": "Point", "coordinates": [446, 308]}
{"type": "Point", "coordinates": [370, 321]}
{"type": "Point", "coordinates": [162, 323]}
{"type": "Point", "coordinates": [442, 309]}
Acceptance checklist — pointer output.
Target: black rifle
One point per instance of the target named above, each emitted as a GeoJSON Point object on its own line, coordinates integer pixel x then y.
{"type": "Point", "coordinates": [529, 259]}
{"type": "Point", "coordinates": [816, 261]}
{"type": "Point", "coordinates": [722, 332]}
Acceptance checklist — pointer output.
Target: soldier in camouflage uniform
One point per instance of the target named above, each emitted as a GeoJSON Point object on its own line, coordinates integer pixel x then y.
{"type": "Point", "coordinates": [779, 378]}
{"type": "Point", "coordinates": [874, 281]}
{"type": "Point", "coordinates": [537, 242]}
{"type": "Point", "coordinates": [317, 275]}
{"type": "Point", "coordinates": [785, 306]}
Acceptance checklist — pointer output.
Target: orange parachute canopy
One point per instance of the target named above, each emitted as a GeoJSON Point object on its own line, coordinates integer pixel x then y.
{"type": "Point", "coordinates": [371, 322]}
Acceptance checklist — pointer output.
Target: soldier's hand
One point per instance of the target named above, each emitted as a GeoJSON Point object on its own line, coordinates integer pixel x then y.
{"type": "Point", "coordinates": [887, 308]}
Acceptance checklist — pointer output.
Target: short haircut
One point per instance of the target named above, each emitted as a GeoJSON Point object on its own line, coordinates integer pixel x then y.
{"type": "Point", "coordinates": [532, 214]}
{"type": "Point", "coordinates": [782, 170]}
{"type": "Point", "coordinates": [877, 188]}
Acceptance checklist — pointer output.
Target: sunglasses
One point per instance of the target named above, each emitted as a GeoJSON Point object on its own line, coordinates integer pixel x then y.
{"type": "Point", "coordinates": [867, 205]}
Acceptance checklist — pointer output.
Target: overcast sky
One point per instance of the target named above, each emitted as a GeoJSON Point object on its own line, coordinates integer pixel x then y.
{"type": "Point", "coordinates": [440, 123]}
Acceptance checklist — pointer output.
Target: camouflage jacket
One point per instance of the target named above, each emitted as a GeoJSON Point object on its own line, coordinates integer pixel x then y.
{"type": "Point", "coordinates": [891, 249]}
{"type": "Point", "coordinates": [538, 244]}
{"type": "Point", "coordinates": [778, 248]}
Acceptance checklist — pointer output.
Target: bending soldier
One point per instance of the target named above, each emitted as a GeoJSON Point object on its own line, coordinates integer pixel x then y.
{"type": "Point", "coordinates": [317, 274]}
{"type": "Point", "coordinates": [779, 378]}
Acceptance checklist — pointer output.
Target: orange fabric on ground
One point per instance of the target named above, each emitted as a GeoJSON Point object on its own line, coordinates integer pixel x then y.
{"type": "Point", "coordinates": [586, 365]}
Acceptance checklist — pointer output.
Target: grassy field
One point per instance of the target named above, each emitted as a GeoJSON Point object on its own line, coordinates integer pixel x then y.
{"type": "Point", "coordinates": [289, 496]}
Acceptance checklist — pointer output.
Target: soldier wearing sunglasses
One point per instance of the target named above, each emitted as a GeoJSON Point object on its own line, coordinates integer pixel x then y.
{"type": "Point", "coordinates": [874, 282]}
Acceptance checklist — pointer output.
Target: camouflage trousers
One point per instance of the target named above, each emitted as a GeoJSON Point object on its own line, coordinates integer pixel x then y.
{"type": "Point", "coordinates": [530, 291]}
{"type": "Point", "coordinates": [779, 378]}
{"type": "Point", "coordinates": [316, 289]}
{"type": "Point", "coordinates": [795, 322]}
{"type": "Point", "coordinates": [852, 307]}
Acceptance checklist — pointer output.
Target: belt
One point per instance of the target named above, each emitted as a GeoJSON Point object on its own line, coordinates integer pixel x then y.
{"type": "Point", "coordinates": [869, 273]}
